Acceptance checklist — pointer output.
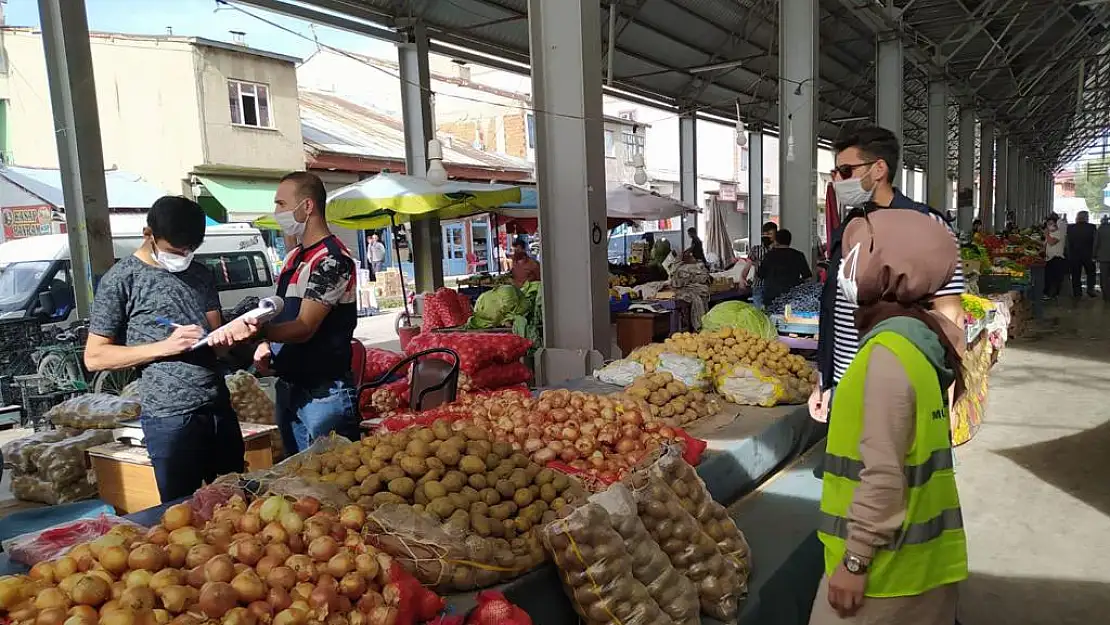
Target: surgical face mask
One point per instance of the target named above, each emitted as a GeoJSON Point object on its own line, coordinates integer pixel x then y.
{"type": "Point", "coordinates": [846, 276]}
{"type": "Point", "coordinates": [850, 192]}
{"type": "Point", "coordinates": [171, 262]}
{"type": "Point", "coordinates": [289, 224]}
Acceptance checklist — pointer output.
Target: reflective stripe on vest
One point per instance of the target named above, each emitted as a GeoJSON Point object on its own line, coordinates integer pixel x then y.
{"type": "Point", "coordinates": [929, 550]}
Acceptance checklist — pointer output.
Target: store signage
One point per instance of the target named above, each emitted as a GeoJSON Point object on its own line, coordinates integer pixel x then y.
{"type": "Point", "coordinates": [727, 192]}
{"type": "Point", "coordinates": [26, 221]}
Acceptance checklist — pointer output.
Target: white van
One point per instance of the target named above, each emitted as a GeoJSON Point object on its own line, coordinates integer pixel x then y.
{"type": "Point", "coordinates": [37, 266]}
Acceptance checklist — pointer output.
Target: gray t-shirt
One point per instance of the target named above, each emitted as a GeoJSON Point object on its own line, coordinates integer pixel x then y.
{"type": "Point", "coordinates": [130, 299]}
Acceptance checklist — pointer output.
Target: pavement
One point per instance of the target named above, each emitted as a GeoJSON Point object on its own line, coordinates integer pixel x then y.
{"type": "Point", "coordinates": [379, 331]}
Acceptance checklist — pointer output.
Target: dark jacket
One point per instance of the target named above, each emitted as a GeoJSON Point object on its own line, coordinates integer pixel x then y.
{"type": "Point", "coordinates": [826, 325]}
{"type": "Point", "coordinates": [1080, 243]}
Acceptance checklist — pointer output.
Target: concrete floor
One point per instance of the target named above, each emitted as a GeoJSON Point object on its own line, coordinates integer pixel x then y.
{"type": "Point", "coordinates": [1035, 481]}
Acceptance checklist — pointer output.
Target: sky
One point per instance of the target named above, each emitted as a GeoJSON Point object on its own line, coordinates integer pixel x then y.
{"type": "Point", "coordinates": [205, 18]}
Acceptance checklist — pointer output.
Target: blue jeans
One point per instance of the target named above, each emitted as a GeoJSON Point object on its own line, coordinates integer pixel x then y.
{"type": "Point", "coordinates": [305, 413]}
{"type": "Point", "coordinates": [757, 297]}
{"type": "Point", "coordinates": [194, 448]}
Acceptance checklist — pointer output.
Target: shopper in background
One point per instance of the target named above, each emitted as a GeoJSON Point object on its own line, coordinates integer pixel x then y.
{"type": "Point", "coordinates": [309, 343]}
{"type": "Point", "coordinates": [525, 268]}
{"type": "Point", "coordinates": [866, 161]}
{"type": "Point", "coordinates": [150, 310]}
{"type": "Point", "coordinates": [977, 228]}
{"type": "Point", "coordinates": [697, 250]}
{"type": "Point", "coordinates": [1056, 267]}
{"type": "Point", "coordinates": [1080, 246]}
{"type": "Point", "coordinates": [1102, 255]}
{"type": "Point", "coordinates": [690, 281]}
{"type": "Point", "coordinates": [755, 256]}
{"type": "Point", "coordinates": [783, 268]}
{"type": "Point", "coordinates": [891, 523]}
{"type": "Point", "coordinates": [375, 253]}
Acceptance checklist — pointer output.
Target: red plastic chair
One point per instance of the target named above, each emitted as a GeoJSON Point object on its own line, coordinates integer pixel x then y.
{"type": "Point", "coordinates": [358, 361]}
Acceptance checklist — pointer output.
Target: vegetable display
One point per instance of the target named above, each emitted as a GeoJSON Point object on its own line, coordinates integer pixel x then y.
{"type": "Point", "coordinates": [275, 561]}
{"type": "Point", "coordinates": [804, 298]}
{"type": "Point", "coordinates": [444, 309]}
{"type": "Point", "coordinates": [94, 411]}
{"type": "Point", "coordinates": [454, 505]}
{"type": "Point", "coordinates": [741, 316]}
{"type": "Point", "coordinates": [51, 468]}
{"type": "Point", "coordinates": [496, 307]}
{"type": "Point", "coordinates": [671, 400]}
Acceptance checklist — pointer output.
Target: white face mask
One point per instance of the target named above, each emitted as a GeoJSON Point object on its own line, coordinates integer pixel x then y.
{"type": "Point", "coordinates": [173, 263]}
{"type": "Point", "coordinates": [850, 192]}
{"type": "Point", "coordinates": [846, 276]}
{"type": "Point", "coordinates": [289, 224]}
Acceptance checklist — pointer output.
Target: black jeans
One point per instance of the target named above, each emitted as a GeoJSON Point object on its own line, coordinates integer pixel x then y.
{"type": "Point", "coordinates": [191, 449]}
{"type": "Point", "coordinates": [1054, 272]}
{"type": "Point", "coordinates": [1078, 266]}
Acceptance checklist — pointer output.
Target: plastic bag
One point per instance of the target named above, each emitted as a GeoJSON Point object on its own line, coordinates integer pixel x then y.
{"type": "Point", "coordinates": [445, 557]}
{"type": "Point", "coordinates": [711, 516]}
{"type": "Point", "coordinates": [95, 410]}
{"type": "Point", "coordinates": [692, 552]}
{"type": "Point", "coordinates": [689, 370]}
{"type": "Point", "coordinates": [750, 387]}
{"type": "Point", "coordinates": [53, 542]}
{"type": "Point", "coordinates": [495, 377]}
{"type": "Point", "coordinates": [32, 488]}
{"type": "Point", "coordinates": [378, 362]}
{"type": "Point", "coordinates": [248, 399]}
{"type": "Point", "coordinates": [476, 350]}
{"type": "Point", "coordinates": [22, 453]}
{"type": "Point", "coordinates": [63, 462]}
{"type": "Point", "coordinates": [620, 372]}
{"type": "Point", "coordinates": [739, 315]}
{"type": "Point", "coordinates": [596, 570]}
{"type": "Point", "coordinates": [674, 593]}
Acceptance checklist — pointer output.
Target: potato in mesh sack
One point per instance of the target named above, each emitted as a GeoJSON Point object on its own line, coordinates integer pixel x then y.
{"type": "Point", "coordinates": [714, 520]}
{"type": "Point", "coordinates": [674, 593]}
{"type": "Point", "coordinates": [596, 570]}
{"type": "Point", "coordinates": [33, 488]}
{"type": "Point", "coordinates": [63, 462]}
{"type": "Point", "coordinates": [94, 411]}
{"type": "Point", "coordinates": [692, 552]}
{"type": "Point", "coordinates": [22, 453]}
{"type": "Point", "coordinates": [248, 399]}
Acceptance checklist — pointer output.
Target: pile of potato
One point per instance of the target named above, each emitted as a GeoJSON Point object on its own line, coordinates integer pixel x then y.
{"type": "Point", "coordinates": [671, 400]}
{"type": "Point", "coordinates": [249, 401]}
{"type": "Point", "coordinates": [449, 487]}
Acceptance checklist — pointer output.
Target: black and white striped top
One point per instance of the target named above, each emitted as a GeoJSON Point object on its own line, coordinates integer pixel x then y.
{"type": "Point", "coordinates": [845, 335]}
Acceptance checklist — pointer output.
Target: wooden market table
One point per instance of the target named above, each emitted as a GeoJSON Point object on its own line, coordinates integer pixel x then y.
{"type": "Point", "coordinates": [636, 329]}
{"type": "Point", "coordinates": [125, 477]}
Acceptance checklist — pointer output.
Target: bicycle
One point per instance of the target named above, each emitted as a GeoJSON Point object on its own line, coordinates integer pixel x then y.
{"type": "Point", "coordinates": [62, 364]}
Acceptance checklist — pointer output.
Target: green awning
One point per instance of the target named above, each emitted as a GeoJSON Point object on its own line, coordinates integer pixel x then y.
{"type": "Point", "coordinates": [244, 199]}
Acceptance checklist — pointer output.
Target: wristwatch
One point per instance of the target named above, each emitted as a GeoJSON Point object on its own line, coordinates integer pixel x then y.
{"type": "Point", "coordinates": [855, 564]}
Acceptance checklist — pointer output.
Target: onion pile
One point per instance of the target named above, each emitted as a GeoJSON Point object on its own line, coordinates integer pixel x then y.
{"type": "Point", "coordinates": [275, 562]}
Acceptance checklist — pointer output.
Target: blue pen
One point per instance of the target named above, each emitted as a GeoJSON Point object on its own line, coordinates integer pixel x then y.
{"type": "Point", "coordinates": [162, 321]}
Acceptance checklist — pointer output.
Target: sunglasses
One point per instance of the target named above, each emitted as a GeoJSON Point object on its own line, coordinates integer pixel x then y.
{"type": "Point", "coordinates": [846, 171]}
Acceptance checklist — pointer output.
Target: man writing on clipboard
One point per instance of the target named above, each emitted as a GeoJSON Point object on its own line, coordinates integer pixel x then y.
{"type": "Point", "coordinates": [309, 343]}
{"type": "Point", "coordinates": [150, 311]}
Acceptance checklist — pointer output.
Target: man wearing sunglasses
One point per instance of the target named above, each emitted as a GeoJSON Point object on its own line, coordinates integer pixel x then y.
{"type": "Point", "coordinates": [863, 180]}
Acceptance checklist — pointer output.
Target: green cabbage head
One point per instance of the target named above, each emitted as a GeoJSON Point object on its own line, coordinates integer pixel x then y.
{"type": "Point", "coordinates": [739, 315]}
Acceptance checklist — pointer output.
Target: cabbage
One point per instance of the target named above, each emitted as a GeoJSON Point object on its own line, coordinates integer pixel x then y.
{"type": "Point", "coordinates": [739, 315]}
{"type": "Point", "coordinates": [495, 307]}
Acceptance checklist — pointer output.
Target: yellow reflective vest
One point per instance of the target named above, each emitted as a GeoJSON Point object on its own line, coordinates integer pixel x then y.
{"type": "Point", "coordinates": [930, 549]}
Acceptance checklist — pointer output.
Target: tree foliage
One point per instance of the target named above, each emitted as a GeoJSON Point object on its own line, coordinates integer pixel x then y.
{"type": "Point", "coordinates": [1090, 179]}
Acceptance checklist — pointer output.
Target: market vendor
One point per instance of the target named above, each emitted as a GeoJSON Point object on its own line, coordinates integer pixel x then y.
{"type": "Point", "coordinates": [309, 344]}
{"type": "Point", "coordinates": [866, 161]}
{"type": "Point", "coordinates": [525, 268]}
{"type": "Point", "coordinates": [891, 524]}
{"type": "Point", "coordinates": [783, 268]}
{"type": "Point", "coordinates": [150, 310]}
{"type": "Point", "coordinates": [690, 282]}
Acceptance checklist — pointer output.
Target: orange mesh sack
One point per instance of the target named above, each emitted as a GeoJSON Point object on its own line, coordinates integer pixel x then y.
{"type": "Point", "coordinates": [674, 593]}
{"type": "Point", "coordinates": [692, 552]}
{"type": "Point", "coordinates": [714, 520]}
{"type": "Point", "coordinates": [596, 570]}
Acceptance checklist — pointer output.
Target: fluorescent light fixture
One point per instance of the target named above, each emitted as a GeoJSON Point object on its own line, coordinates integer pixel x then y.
{"type": "Point", "coordinates": [714, 67]}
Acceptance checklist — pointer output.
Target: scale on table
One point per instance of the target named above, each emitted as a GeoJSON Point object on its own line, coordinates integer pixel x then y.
{"type": "Point", "coordinates": [641, 307]}
{"type": "Point", "coordinates": [129, 433]}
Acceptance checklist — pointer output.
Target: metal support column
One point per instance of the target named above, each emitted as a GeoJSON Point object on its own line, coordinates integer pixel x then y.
{"type": "Point", "coordinates": [1001, 181]}
{"type": "Point", "coordinates": [755, 186]}
{"type": "Point", "coordinates": [965, 187]}
{"type": "Point", "coordinates": [426, 247]}
{"type": "Point", "coordinates": [889, 89]}
{"type": "Point", "coordinates": [910, 184]}
{"type": "Point", "coordinates": [936, 195]}
{"type": "Point", "coordinates": [65, 40]}
{"type": "Point", "coordinates": [1013, 182]}
{"type": "Point", "coordinates": [565, 39]}
{"type": "Point", "coordinates": [798, 120]}
{"type": "Point", "coordinates": [688, 169]}
{"type": "Point", "coordinates": [986, 173]}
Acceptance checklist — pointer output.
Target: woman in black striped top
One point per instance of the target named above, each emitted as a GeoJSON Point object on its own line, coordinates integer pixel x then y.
{"type": "Point", "coordinates": [863, 179]}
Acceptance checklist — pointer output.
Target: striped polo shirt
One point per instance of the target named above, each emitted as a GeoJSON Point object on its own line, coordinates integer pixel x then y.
{"type": "Point", "coordinates": [845, 335]}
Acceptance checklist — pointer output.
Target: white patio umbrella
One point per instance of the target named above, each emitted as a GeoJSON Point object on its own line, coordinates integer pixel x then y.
{"type": "Point", "coordinates": [626, 201]}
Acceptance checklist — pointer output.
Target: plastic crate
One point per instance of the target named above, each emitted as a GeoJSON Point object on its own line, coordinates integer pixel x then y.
{"type": "Point", "coordinates": [992, 283]}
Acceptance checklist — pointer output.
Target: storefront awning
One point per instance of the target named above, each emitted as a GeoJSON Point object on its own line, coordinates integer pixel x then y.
{"type": "Point", "coordinates": [244, 199]}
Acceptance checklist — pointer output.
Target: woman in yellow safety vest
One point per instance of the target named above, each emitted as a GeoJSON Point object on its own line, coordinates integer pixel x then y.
{"type": "Point", "coordinates": [890, 514]}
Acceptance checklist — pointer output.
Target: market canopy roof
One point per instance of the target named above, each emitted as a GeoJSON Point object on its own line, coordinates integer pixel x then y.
{"type": "Point", "coordinates": [125, 190]}
{"type": "Point", "coordinates": [244, 199]}
{"type": "Point", "coordinates": [1011, 58]}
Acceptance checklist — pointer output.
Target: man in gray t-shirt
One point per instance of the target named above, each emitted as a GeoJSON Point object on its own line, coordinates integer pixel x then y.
{"type": "Point", "coordinates": [150, 309]}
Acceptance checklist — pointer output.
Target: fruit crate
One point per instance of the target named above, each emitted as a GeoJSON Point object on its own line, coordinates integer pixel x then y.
{"type": "Point", "coordinates": [995, 283]}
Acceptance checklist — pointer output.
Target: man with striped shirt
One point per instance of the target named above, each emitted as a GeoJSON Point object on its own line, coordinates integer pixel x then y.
{"type": "Point", "coordinates": [863, 180]}
{"type": "Point", "coordinates": [755, 256]}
